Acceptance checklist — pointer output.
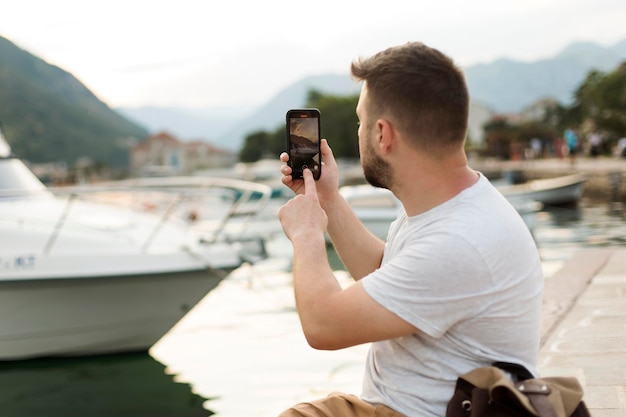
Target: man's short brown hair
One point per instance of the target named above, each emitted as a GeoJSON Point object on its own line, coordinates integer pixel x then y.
{"type": "Point", "coordinates": [419, 89]}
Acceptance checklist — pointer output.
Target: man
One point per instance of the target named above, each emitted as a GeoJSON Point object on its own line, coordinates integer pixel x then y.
{"type": "Point", "coordinates": [571, 139]}
{"type": "Point", "coordinates": [458, 283]}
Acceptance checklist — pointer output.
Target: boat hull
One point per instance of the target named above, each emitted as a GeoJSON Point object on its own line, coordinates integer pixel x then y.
{"type": "Point", "coordinates": [107, 268]}
{"type": "Point", "coordinates": [564, 190]}
{"type": "Point", "coordinates": [96, 315]}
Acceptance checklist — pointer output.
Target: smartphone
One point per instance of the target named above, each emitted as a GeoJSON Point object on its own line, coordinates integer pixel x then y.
{"type": "Point", "coordinates": [303, 142]}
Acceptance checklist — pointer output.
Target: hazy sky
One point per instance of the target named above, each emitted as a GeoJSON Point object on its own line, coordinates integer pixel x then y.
{"type": "Point", "coordinates": [222, 53]}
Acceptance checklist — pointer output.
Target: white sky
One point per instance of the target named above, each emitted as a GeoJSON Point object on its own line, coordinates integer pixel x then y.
{"type": "Point", "coordinates": [202, 53]}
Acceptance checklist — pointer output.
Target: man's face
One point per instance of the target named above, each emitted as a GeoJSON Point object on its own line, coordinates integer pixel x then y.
{"type": "Point", "coordinates": [377, 171]}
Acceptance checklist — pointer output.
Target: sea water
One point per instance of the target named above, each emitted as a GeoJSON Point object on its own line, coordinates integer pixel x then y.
{"type": "Point", "coordinates": [240, 351]}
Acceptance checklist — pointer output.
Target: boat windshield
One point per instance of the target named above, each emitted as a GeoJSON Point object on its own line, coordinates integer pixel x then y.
{"type": "Point", "coordinates": [5, 149]}
{"type": "Point", "coordinates": [17, 180]}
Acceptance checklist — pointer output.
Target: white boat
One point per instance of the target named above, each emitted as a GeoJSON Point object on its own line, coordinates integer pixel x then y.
{"type": "Point", "coordinates": [378, 207]}
{"type": "Point", "coordinates": [375, 207]}
{"type": "Point", "coordinates": [562, 190]}
{"type": "Point", "coordinates": [82, 276]}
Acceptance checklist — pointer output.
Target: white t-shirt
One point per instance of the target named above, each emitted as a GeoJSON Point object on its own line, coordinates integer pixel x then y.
{"type": "Point", "coordinates": [468, 275]}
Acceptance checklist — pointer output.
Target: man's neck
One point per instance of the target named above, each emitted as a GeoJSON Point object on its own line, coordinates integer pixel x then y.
{"type": "Point", "coordinates": [429, 183]}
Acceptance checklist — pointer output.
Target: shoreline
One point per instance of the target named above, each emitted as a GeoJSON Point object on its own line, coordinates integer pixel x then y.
{"type": "Point", "coordinates": [606, 177]}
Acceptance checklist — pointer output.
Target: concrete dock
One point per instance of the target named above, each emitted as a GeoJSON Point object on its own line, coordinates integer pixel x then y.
{"type": "Point", "coordinates": [584, 327]}
{"type": "Point", "coordinates": [584, 310]}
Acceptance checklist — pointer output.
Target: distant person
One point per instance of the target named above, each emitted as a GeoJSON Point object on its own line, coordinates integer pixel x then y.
{"type": "Point", "coordinates": [621, 148]}
{"type": "Point", "coordinates": [571, 140]}
{"type": "Point", "coordinates": [560, 147]}
{"type": "Point", "coordinates": [595, 142]}
{"type": "Point", "coordinates": [458, 283]}
{"type": "Point", "coordinates": [536, 145]}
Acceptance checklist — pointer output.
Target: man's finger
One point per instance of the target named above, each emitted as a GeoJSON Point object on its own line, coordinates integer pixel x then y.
{"type": "Point", "coordinates": [310, 188]}
{"type": "Point", "coordinates": [327, 153]}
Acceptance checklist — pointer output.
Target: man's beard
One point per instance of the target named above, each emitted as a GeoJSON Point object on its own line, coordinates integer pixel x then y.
{"type": "Point", "coordinates": [377, 171]}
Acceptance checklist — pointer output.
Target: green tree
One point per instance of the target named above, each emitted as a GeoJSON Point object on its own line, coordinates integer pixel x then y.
{"type": "Point", "coordinates": [601, 101]}
{"type": "Point", "coordinates": [339, 125]}
{"type": "Point", "coordinates": [500, 138]}
{"type": "Point", "coordinates": [263, 144]}
{"type": "Point", "coordinates": [255, 146]}
{"type": "Point", "coordinates": [339, 122]}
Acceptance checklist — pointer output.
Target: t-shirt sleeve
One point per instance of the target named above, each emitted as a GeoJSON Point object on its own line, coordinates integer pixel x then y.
{"type": "Point", "coordinates": [433, 283]}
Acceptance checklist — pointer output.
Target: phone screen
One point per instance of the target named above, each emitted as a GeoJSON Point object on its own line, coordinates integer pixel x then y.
{"type": "Point", "coordinates": [303, 142]}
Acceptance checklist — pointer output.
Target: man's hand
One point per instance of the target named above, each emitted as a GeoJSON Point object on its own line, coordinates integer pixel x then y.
{"type": "Point", "coordinates": [302, 217]}
{"type": "Point", "coordinates": [328, 184]}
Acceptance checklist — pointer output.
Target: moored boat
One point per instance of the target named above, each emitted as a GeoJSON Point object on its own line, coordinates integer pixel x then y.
{"type": "Point", "coordinates": [80, 276]}
{"type": "Point", "coordinates": [563, 190]}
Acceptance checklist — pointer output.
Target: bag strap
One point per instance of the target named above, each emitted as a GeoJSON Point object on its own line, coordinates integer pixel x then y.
{"type": "Point", "coordinates": [519, 372]}
{"type": "Point", "coordinates": [538, 392]}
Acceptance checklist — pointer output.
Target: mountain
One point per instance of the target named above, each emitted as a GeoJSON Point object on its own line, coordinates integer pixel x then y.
{"type": "Point", "coordinates": [501, 86]}
{"type": "Point", "coordinates": [187, 124]}
{"type": "Point", "coordinates": [509, 86]}
{"type": "Point", "coordinates": [48, 115]}
{"type": "Point", "coordinates": [227, 128]}
{"type": "Point", "coordinates": [271, 115]}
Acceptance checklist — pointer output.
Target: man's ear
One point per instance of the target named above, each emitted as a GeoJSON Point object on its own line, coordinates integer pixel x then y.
{"type": "Point", "coordinates": [386, 135]}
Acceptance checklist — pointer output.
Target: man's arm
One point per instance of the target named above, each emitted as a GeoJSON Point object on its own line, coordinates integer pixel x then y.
{"type": "Point", "coordinates": [360, 251]}
{"type": "Point", "coordinates": [331, 317]}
